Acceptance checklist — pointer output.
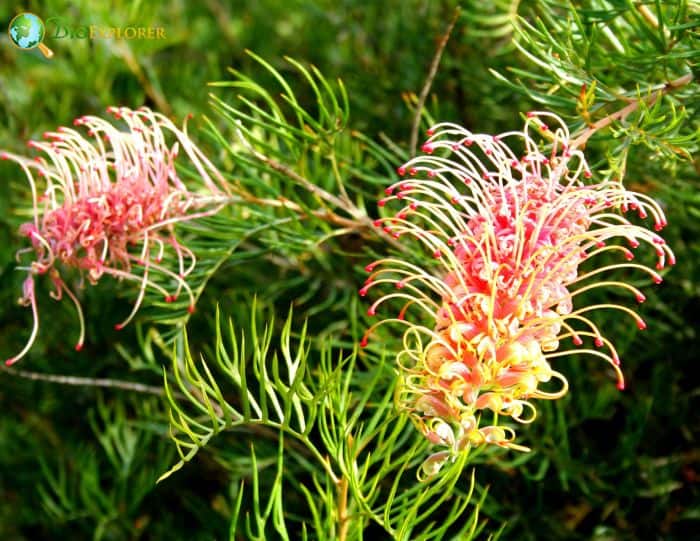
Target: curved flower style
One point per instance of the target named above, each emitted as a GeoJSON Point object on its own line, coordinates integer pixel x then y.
{"type": "Point", "coordinates": [110, 203]}
{"type": "Point", "coordinates": [508, 233]}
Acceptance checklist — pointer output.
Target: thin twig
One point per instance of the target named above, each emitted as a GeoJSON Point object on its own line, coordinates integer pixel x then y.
{"type": "Point", "coordinates": [650, 18]}
{"type": "Point", "coordinates": [343, 522]}
{"type": "Point", "coordinates": [429, 81]}
{"type": "Point", "coordinates": [623, 113]}
{"type": "Point", "coordinates": [296, 177]}
{"type": "Point", "coordinates": [154, 93]}
{"type": "Point", "coordinates": [323, 214]}
{"type": "Point", "coordinates": [359, 221]}
{"type": "Point", "coordinates": [87, 382]}
{"type": "Point", "coordinates": [645, 12]}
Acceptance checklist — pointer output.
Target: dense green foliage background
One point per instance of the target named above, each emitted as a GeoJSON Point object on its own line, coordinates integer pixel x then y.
{"type": "Point", "coordinates": [605, 464]}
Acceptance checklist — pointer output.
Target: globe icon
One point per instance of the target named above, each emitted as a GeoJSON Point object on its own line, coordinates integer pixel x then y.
{"type": "Point", "coordinates": [27, 31]}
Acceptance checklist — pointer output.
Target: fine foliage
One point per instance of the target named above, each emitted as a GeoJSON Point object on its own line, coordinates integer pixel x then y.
{"type": "Point", "coordinates": [359, 247]}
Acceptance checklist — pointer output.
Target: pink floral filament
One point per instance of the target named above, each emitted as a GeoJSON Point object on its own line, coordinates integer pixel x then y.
{"type": "Point", "coordinates": [109, 205]}
{"type": "Point", "coordinates": [507, 233]}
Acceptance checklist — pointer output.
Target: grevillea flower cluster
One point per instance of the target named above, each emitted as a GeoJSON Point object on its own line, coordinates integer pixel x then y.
{"type": "Point", "coordinates": [507, 231]}
{"type": "Point", "coordinates": [106, 204]}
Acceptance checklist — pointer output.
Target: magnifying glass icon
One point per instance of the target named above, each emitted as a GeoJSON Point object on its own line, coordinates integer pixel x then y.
{"type": "Point", "coordinates": [27, 31]}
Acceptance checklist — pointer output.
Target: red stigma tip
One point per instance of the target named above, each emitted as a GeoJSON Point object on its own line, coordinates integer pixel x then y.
{"type": "Point", "coordinates": [399, 285]}
{"type": "Point", "coordinates": [544, 127]}
{"type": "Point", "coordinates": [190, 309]}
{"type": "Point", "coordinates": [437, 254]}
{"type": "Point", "coordinates": [370, 267]}
{"type": "Point", "coordinates": [577, 340]}
{"type": "Point", "coordinates": [371, 312]}
{"type": "Point", "coordinates": [389, 190]}
{"type": "Point", "coordinates": [429, 132]}
{"type": "Point", "coordinates": [10, 361]}
{"type": "Point", "coordinates": [78, 346]}
{"type": "Point", "coordinates": [168, 298]}
{"type": "Point", "coordinates": [412, 171]}
{"type": "Point", "coordinates": [530, 114]}
{"type": "Point", "coordinates": [641, 298]}
{"type": "Point", "coordinates": [641, 325]}
{"type": "Point", "coordinates": [658, 279]}
{"type": "Point", "coordinates": [377, 223]}
{"type": "Point", "coordinates": [381, 203]}
{"type": "Point", "coordinates": [363, 342]}
{"type": "Point", "coordinates": [427, 148]}
{"type": "Point", "coordinates": [362, 291]}
{"type": "Point", "coordinates": [413, 206]}
{"type": "Point", "coordinates": [118, 327]}
{"type": "Point", "coordinates": [401, 170]}
{"type": "Point", "coordinates": [598, 342]}
{"type": "Point", "coordinates": [587, 174]}
{"type": "Point", "coordinates": [3, 156]}
{"type": "Point", "coordinates": [621, 385]}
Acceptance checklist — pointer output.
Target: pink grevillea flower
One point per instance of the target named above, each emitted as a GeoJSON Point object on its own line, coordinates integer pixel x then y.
{"type": "Point", "coordinates": [507, 231]}
{"type": "Point", "coordinates": [106, 204]}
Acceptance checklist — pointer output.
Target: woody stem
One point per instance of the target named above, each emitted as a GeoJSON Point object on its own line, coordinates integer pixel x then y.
{"type": "Point", "coordinates": [623, 113]}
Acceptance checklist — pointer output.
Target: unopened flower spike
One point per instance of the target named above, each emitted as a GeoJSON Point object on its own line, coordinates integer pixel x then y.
{"type": "Point", "coordinates": [106, 203]}
{"type": "Point", "coordinates": [507, 232]}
